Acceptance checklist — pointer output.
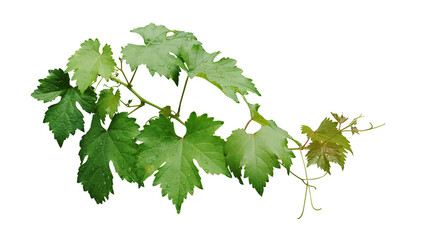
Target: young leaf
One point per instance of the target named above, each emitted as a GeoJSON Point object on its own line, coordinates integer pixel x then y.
{"type": "Point", "coordinates": [117, 144]}
{"type": "Point", "coordinates": [88, 63]}
{"type": "Point", "coordinates": [223, 73]}
{"type": "Point", "coordinates": [155, 54]}
{"type": "Point", "coordinates": [327, 131]}
{"type": "Point", "coordinates": [172, 156]}
{"type": "Point", "coordinates": [64, 118]}
{"type": "Point", "coordinates": [322, 154]}
{"type": "Point", "coordinates": [258, 153]}
{"type": "Point", "coordinates": [108, 103]}
{"type": "Point", "coordinates": [255, 115]}
{"type": "Point", "coordinates": [340, 119]}
{"type": "Point", "coordinates": [328, 145]}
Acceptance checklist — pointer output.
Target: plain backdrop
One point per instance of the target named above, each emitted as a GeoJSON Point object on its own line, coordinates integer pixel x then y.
{"type": "Point", "coordinates": [307, 58]}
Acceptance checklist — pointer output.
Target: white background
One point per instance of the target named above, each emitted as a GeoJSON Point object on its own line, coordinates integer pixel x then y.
{"type": "Point", "coordinates": [307, 58]}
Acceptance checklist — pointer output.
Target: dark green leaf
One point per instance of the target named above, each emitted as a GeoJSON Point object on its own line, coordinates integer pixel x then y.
{"type": "Point", "coordinates": [117, 144]}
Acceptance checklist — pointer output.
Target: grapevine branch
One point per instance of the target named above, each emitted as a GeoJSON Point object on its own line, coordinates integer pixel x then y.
{"type": "Point", "coordinates": [181, 97]}
{"type": "Point", "coordinates": [238, 152]}
{"type": "Point", "coordinates": [143, 100]}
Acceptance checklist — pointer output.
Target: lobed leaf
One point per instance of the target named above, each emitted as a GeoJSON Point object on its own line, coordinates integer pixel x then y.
{"type": "Point", "coordinates": [258, 154]}
{"type": "Point", "coordinates": [87, 63]}
{"type": "Point", "coordinates": [156, 53]}
{"type": "Point", "coordinates": [223, 73]}
{"type": "Point", "coordinates": [172, 156]}
{"type": "Point", "coordinates": [116, 144]}
{"type": "Point", "coordinates": [64, 118]}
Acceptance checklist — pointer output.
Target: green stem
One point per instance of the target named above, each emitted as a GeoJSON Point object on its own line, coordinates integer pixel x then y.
{"type": "Point", "coordinates": [304, 203]}
{"type": "Point", "coordinates": [364, 130]}
{"type": "Point", "coordinates": [122, 72]}
{"type": "Point", "coordinates": [307, 181]}
{"type": "Point", "coordinates": [307, 188]}
{"type": "Point", "coordinates": [318, 177]}
{"type": "Point", "coordinates": [181, 97]}
{"type": "Point", "coordinates": [136, 109]}
{"type": "Point", "coordinates": [303, 180]}
{"type": "Point", "coordinates": [143, 100]}
{"type": "Point", "coordinates": [133, 76]}
{"type": "Point", "coordinates": [135, 93]}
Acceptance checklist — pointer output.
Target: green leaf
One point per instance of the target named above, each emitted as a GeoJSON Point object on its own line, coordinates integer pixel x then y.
{"type": "Point", "coordinates": [322, 154]}
{"type": "Point", "coordinates": [64, 118]}
{"type": "Point", "coordinates": [88, 63]}
{"type": "Point", "coordinates": [258, 154]}
{"type": "Point", "coordinates": [52, 86]}
{"type": "Point", "coordinates": [173, 156]}
{"type": "Point", "coordinates": [108, 103]}
{"type": "Point", "coordinates": [155, 54]}
{"type": "Point", "coordinates": [166, 111]}
{"type": "Point", "coordinates": [307, 130]}
{"type": "Point", "coordinates": [117, 144]}
{"type": "Point", "coordinates": [255, 115]}
{"type": "Point", "coordinates": [223, 73]}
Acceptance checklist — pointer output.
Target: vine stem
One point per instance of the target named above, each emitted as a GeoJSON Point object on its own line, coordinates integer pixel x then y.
{"type": "Point", "coordinates": [307, 188]}
{"type": "Point", "coordinates": [364, 130]}
{"type": "Point", "coordinates": [181, 97]}
{"type": "Point", "coordinates": [249, 121]}
{"type": "Point", "coordinates": [143, 100]}
{"type": "Point", "coordinates": [133, 76]}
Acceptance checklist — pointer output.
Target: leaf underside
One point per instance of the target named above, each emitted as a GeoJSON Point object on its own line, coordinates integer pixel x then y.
{"type": "Point", "coordinates": [258, 154]}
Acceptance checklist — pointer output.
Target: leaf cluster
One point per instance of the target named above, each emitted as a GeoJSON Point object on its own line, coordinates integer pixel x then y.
{"type": "Point", "coordinates": [155, 149]}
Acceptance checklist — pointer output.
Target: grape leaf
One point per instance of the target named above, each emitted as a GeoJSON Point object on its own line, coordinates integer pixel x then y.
{"type": "Point", "coordinates": [108, 103]}
{"type": "Point", "coordinates": [52, 86]}
{"type": "Point", "coordinates": [340, 119]}
{"type": "Point", "coordinates": [88, 63]}
{"type": "Point", "coordinates": [155, 54]}
{"type": "Point", "coordinates": [258, 153]}
{"type": "Point", "coordinates": [64, 118]}
{"type": "Point", "coordinates": [327, 131]}
{"type": "Point", "coordinates": [322, 154]}
{"type": "Point", "coordinates": [255, 115]}
{"type": "Point", "coordinates": [172, 156]}
{"type": "Point", "coordinates": [223, 73]}
{"type": "Point", "coordinates": [307, 130]}
{"type": "Point", "coordinates": [328, 145]}
{"type": "Point", "coordinates": [117, 144]}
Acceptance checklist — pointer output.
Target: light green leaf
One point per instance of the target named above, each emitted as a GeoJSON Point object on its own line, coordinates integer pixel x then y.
{"type": "Point", "coordinates": [223, 73]}
{"type": "Point", "coordinates": [108, 103]}
{"type": "Point", "coordinates": [117, 144]}
{"type": "Point", "coordinates": [173, 156]}
{"type": "Point", "coordinates": [258, 154]}
{"type": "Point", "coordinates": [155, 54]}
{"type": "Point", "coordinates": [88, 63]}
{"type": "Point", "coordinates": [255, 115]}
